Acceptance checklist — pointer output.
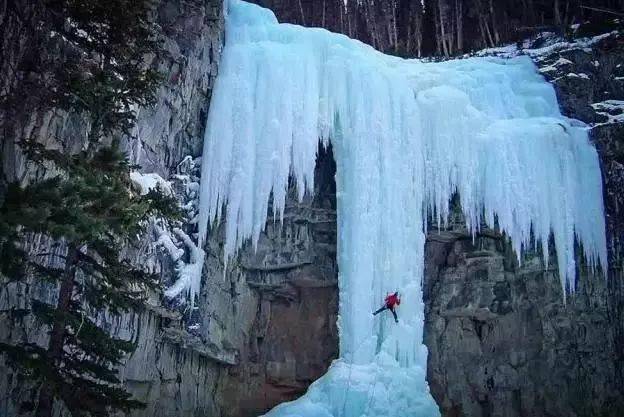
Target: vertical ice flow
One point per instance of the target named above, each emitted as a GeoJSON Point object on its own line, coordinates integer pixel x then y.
{"type": "Point", "coordinates": [407, 135]}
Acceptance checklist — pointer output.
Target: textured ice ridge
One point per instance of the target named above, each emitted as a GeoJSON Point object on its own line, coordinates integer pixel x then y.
{"type": "Point", "coordinates": [407, 135]}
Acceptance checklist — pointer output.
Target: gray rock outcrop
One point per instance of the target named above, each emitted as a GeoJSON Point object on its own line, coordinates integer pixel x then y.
{"type": "Point", "coordinates": [502, 342]}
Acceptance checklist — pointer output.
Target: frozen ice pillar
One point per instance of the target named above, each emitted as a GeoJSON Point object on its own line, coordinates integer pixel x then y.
{"type": "Point", "coordinates": [407, 135]}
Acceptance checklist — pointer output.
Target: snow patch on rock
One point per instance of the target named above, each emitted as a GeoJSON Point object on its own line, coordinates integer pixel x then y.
{"type": "Point", "coordinates": [150, 181]}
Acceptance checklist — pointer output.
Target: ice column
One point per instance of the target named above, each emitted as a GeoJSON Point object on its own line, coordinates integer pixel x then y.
{"type": "Point", "coordinates": [407, 135]}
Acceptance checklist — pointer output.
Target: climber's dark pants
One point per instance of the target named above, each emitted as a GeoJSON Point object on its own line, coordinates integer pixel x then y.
{"type": "Point", "coordinates": [387, 308]}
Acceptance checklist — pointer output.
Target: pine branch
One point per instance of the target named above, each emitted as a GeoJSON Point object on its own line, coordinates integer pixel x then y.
{"type": "Point", "coordinates": [602, 10]}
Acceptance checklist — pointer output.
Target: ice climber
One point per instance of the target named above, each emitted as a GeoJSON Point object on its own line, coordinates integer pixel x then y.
{"type": "Point", "coordinates": [390, 303]}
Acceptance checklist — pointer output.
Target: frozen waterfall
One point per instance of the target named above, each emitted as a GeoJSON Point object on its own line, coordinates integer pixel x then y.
{"type": "Point", "coordinates": [407, 135]}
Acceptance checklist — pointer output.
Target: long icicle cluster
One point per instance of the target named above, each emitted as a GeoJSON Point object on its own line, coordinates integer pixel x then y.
{"type": "Point", "coordinates": [407, 136]}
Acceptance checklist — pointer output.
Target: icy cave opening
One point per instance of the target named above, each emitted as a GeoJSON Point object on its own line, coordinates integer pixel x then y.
{"type": "Point", "coordinates": [406, 136]}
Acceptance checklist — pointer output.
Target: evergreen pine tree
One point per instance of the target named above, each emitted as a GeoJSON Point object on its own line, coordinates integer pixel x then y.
{"type": "Point", "coordinates": [87, 207]}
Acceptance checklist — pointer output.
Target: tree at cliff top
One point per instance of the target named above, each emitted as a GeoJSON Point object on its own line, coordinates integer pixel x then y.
{"type": "Point", "coordinates": [85, 205]}
{"type": "Point", "coordinates": [415, 28]}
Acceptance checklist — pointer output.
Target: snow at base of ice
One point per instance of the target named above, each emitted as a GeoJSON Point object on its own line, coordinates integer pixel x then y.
{"type": "Point", "coordinates": [407, 136]}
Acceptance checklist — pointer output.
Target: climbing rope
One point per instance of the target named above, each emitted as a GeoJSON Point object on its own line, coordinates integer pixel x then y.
{"type": "Point", "coordinates": [370, 397]}
{"type": "Point", "coordinates": [344, 403]}
{"type": "Point", "coordinates": [373, 384]}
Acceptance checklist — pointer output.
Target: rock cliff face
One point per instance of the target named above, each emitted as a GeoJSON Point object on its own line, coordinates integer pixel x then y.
{"type": "Point", "coordinates": [501, 340]}
{"type": "Point", "coordinates": [171, 371]}
{"type": "Point", "coordinates": [265, 327]}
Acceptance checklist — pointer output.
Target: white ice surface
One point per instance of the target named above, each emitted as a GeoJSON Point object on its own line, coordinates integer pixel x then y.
{"type": "Point", "coordinates": [406, 135]}
{"type": "Point", "coordinates": [552, 44]}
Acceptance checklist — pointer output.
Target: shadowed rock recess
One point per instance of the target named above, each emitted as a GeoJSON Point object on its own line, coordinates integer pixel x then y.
{"type": "Point", "coordinates": [501, 341]}
{"type": "Point", "coordinates": [277, 306]}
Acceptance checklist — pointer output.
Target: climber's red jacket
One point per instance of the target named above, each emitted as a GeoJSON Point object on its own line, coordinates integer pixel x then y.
{"type": "Point", "coordinates": [392, 300]}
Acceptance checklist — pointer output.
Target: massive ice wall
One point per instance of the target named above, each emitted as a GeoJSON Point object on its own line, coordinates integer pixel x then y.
{"type": "Point", "coordinates": [407, 135]}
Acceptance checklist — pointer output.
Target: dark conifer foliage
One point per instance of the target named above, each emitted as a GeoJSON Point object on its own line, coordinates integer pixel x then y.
{"type": "Point", "coordinates": [85, 203]}
{"type": "Point", "coordinates": [88, 209]}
